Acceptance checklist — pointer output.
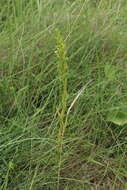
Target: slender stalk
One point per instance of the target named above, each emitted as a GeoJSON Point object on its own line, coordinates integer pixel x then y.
{"type": "Point", "coordinates": [63, 82]}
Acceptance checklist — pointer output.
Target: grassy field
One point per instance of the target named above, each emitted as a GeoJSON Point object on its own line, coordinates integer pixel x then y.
{"type": "Point", "coordinates": [63, 79]}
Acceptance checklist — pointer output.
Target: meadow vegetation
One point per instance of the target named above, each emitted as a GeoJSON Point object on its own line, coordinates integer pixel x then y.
{"type": "Point", "coordinates": [63, 77]}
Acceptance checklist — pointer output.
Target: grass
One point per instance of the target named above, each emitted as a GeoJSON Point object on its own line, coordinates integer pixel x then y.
{"type": "Point", "coordinates": [57, 90]}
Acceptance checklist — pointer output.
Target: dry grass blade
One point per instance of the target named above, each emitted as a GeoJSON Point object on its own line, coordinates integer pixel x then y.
{"type": "Point", "coordinates": [77, 96]}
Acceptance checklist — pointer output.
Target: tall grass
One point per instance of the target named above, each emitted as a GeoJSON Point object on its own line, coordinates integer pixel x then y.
{"type": "Point", "coordinates": [57, 90]}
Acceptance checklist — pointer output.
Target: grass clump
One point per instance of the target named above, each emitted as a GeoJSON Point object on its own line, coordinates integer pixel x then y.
{"type": "Point", "coordinates": [59, 99]}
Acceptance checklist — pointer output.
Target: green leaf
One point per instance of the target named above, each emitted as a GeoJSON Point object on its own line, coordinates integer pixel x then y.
{"type": "Point", "coordinates": [118, 118]}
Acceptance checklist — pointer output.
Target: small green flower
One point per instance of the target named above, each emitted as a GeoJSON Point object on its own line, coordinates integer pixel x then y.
{"type": "Point", "coordinates": [11, 165]}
